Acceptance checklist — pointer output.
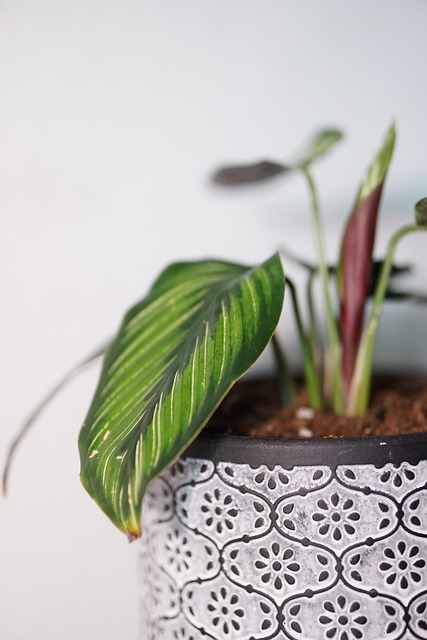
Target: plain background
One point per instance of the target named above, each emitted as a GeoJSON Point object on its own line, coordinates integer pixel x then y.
{"type": "Point", "coordinates": [113, 114]}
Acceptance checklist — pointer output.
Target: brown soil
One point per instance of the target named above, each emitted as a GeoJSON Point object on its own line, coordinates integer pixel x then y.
{"type": "Point", "coordinates": [253, 408]}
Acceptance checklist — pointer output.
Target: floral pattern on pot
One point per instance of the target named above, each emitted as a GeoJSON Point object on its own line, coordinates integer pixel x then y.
{"type": "Point", "coordinates": [233, 551]}
{"type": "Point", "coordinates": [400, 561]}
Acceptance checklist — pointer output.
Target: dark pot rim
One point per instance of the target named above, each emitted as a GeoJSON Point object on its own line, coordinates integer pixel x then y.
{"type": "Point", "coordinates": [290, 452]}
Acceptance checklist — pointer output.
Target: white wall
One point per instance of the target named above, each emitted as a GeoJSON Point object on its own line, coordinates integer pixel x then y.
{"type": "Point", "coordinates": [112, 115]}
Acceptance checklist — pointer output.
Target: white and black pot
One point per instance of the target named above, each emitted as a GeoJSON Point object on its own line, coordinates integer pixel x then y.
{"type": "Point", "coordinates": [250, 539]}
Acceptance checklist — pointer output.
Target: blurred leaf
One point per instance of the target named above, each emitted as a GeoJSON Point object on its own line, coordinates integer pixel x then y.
{"type": "Point", "coordinates": [177, 353]}
{"type": "Point", "coordinates": [235, 175]}
{"type": "Point", "coordinates": [391, 294]}
{"type": "Point", "coordinates": [405, 296]}
{"type": "Point", "coordinates": [248, 173]}
{"type": "Point", "coordinates": [377, 265]}
{"type": "Point", "coordinates": [320, 144]}
{"type": "Point", "coordinates": [300, 262]}
{"type": "Point", "coordinates": [421, 212]}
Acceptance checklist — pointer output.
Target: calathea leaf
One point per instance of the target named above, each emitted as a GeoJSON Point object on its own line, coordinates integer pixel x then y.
{"type": "Point", "coordinates": [202, 325]}
{"type": "Point", "coordinates": [354, 268]}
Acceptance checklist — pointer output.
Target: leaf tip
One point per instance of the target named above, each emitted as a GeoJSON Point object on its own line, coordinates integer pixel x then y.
{"type": "Point", "coordinates": [377, 171]}
{"type": "Point", "coordinates": [5, 479]}
{"type": "Point", "coordinates": [133, 534]}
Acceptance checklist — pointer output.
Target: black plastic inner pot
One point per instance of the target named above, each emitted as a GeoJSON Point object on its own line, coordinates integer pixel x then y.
{"type": "Point", "coordinates": [377, 450]}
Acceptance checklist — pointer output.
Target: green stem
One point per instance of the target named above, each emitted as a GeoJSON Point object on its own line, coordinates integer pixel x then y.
{"type": "Point", "coordinates": [361, 383]}
{"type": "Point", "coordinates": [284, 379]}
{"type": "Point", "coordinates": [331, 326]}
{"type": "Point", "coordinates": [41, 407]}
{"type": "Point", "coordinates": [314, 335]}
{"type": "Point", "coordinates": [310, 374]}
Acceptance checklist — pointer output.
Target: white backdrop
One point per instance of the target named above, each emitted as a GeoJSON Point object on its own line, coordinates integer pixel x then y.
{"type": "Point", "coordinates": [112, 115]}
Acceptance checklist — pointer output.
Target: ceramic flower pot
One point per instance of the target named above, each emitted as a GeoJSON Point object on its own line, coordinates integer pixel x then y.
{"type": "Point", "coordinates": [275, 539]}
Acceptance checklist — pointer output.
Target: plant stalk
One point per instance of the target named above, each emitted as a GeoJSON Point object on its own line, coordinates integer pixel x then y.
{"type": "Point", "coordinates": [361, 383]}
{"type": "Point", "coordinates": [314, 334]}
{"type": "Point", "coordinates": [285, 380]}
{"type": "Point", "coordinates": [310, 374]}
{"type": "Point", "coordinates": [331, 325]}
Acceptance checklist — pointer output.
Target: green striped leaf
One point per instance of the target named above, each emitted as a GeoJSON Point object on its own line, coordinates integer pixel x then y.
{"type": "Point", "coordinates": [176, 355]}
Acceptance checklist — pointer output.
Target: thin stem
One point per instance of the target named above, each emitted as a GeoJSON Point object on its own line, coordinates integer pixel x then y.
{"type": "Point", "coordinates": [361, 382]}
{"type": "Point", "coordinates": [310, 373]}
{"type": "Point", "coordinates": [40, 408]}
{"type": "Point", "coordinates": [331, 325]}
{"type": "Point", "coordinates": [290, 255]}
{"type": "Point", "coordinates": [314, 335]}
{"type": "Point", "coordinates": [284, 378]}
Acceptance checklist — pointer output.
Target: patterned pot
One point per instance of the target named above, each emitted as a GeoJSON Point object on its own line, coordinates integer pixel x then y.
{"type": "Point", "coordinates": [275, 539]}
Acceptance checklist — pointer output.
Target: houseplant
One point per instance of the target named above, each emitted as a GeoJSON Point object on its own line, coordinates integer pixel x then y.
{"type": "Point", "coordinates": [293, 555]}
{"type": "Point", "coordinates": [309, 538]}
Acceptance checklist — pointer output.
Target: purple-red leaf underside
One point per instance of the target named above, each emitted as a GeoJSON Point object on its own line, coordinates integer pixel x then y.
{"type": "Point", "coordinates": [248, 173]}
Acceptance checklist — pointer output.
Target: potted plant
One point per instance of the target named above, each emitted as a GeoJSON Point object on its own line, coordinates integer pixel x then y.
{"type": "Point", "coordinates": [259, 538]}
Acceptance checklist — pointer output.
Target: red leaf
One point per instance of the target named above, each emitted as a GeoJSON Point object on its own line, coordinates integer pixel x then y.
{"type": "Point", "coordinates": [357, 248]}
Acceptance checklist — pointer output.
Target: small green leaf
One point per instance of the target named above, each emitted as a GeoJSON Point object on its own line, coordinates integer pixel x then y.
{"type": "Point", "coordinates": [421, 212]}
{"type": "Point", "coordinates": [377, 171]}
{"type": "Point", "coordinates": [176, 355]}
{"type": "Point", "coordinates": [321, 144]}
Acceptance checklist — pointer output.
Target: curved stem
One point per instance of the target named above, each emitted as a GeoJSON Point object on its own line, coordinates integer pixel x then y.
{"type": "Point", "coordinates": [361, 382]}
{"type": "Point", "coordinates": [40, 408]}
